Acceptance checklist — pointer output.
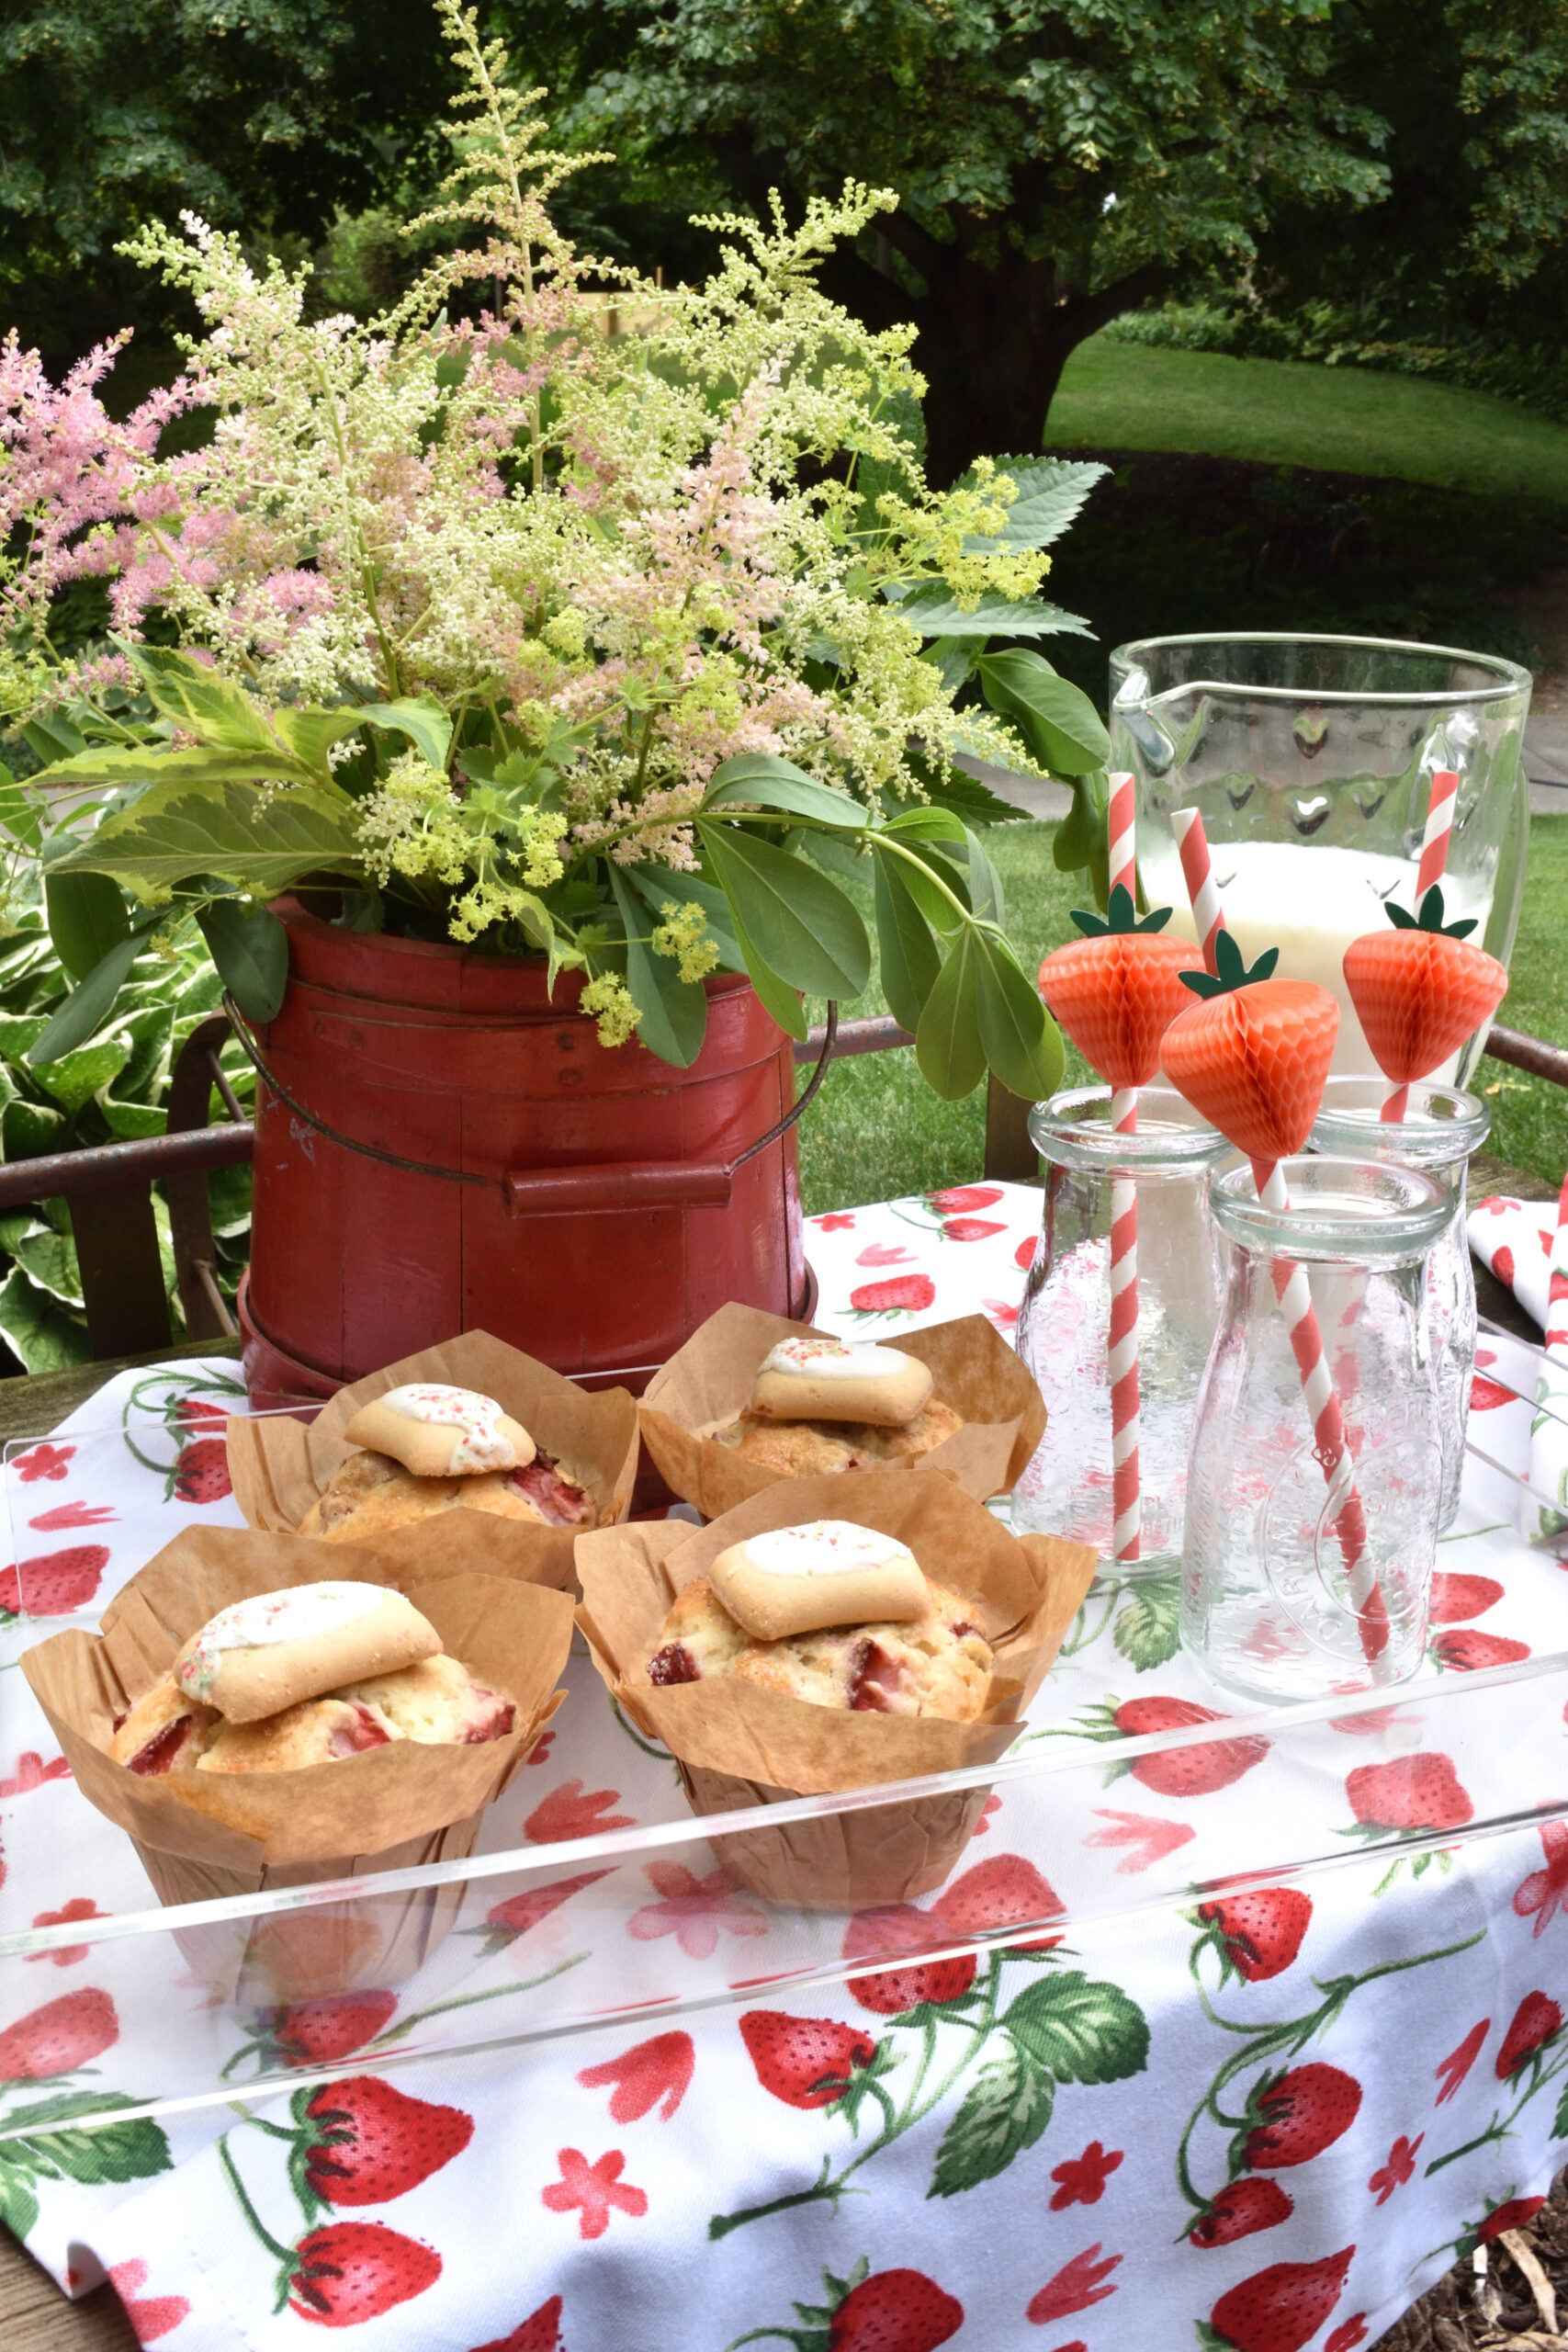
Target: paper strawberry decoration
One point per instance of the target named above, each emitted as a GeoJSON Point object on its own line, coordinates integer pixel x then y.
{"type": "Point", "coordinates": [1419, 989]}
{"type": "Point", "coordinates": [1252, 1057]}
{"type": "Point", "coordinates": [1117, 990]}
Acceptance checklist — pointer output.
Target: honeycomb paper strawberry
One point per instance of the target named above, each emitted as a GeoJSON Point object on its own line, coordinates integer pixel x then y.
{"type": "Point", "coordinates": [1420, 989]}
{"type": "Point", "coordinates": [1117, 990]}
{"type": "Point", "coordinates": [1252, 1057]}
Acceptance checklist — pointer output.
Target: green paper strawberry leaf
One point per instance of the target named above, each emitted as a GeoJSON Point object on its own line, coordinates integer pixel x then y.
{"type": "Point", "coordinates": [1231, 970]}
{"type": "Point", "coordinates": [1428, 916]}
{"type": "Point", "coordinates": [1120, 916]}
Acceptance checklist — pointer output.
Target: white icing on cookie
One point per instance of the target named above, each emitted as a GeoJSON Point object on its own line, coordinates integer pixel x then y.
{"type": "Point", "coordinates": [296, 1615]}
{"type": "Point", "coordinates": [480, 1446]}
{"type": "Point", "coordinates": [830, 1360]}
{"type": "Point", "coordinates": [826, 1547]}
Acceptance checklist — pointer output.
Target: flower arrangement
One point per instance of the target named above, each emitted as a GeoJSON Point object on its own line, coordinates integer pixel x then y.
{"type": "Point", "coordinates": [622, 650]}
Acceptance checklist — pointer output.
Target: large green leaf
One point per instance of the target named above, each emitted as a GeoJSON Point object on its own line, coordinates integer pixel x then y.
{"type": "Point", "coordinates": [117, 2149]}
{"type": "Point", "coordinates": [1082, 844]}
{"type": "Point", "coordinates": [1082, 2031]}
{"type": "Point", "coordinates": [907, 956]}
{"type": "Point", "coordinates": [39, 1331]}
{"type": "Point", "coordinates": [50, 1259]}
{"type": "Point", "coordinates": [947, 1043]}
{"type": "Point", "coordinates": [663, 888]}
{"type": "Point", "coordinates": [933, 885]}
{"type": "Point", "coordinates": [802, 925]}
{"type": "Point", "coordinates": [776, 996]}
{"type": "Point", "coordinates": [199, 768]}
{"type": "Point", "coordinates": [259, 841]}
{"type": "Point", "coordinates": [426, 726]}
{"type": "Point", "coordinates": [75, 1079]}
{"type": "Point", "coordinates": [199, 699]}
{"type": "Point", "coordinates": [936, 612]}
{"type": "Point", "coordinates": [31, 1130]}
{"type": "Point", "coordinates": [674, 1011]}
{"type": "Point", "coordinates": [758, 780]}
{"type": "Point", "coordinates": [1058, 721]}
{"type": "Point", "coordinates": [310, 734]}
{"type": "Point", "coordinates": [1148, 1624]}
{"type": "Point", "coordinates": [87, 918]}
{"type": "Point", "coordinates": [19, 810]}
{"type": "Point", "coordinates": [1050, 492]}
{"type": "Point", "coordinates": [1004, 2110]}
{"type": "Point", "coordinates": [974, 802]}
{"type": "Point", "coordinates": [250, 947]}
{"type": "Point", "coordinates": [978, 876]}
{"type": "Point", "coordinates": [86, 1009]}
{"type": "Point", "coordinates": [1022, 1043]}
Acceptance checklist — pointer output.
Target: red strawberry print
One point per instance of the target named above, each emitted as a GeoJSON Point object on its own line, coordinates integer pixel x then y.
{"type": "Point", "coordinates": [43, 1462]}
{"type": "Point", "coordinates": [590, 2190]}
{"type": "Point", "coordinates": [539, 1754]}
{"type": "Point", "coordinates": [1537, 2021]}
{"type": "Point", "coordinates": [1349, 2334]}
{"type": "Point", "coordinates": [982, 1826]}
{"type": "Point", "coordinates": [1511, 2216]}
{"type": "Point", "coordinates": [694, 1909]}
{"type": "Point", "coordinates": [1451, 2071]}
{"type": "Point", "coordinates": [59, 2037]}
{"type": "Point", "coordinates": [81, 1906]}
{"type": "Point", "coordinates": [900, 1295]}
{"type": "Point", "coordinates": [508, 1920]}
{"type": "Point", "coordinates": [1077, 2286]}
{"type": "Point", "coordinates": [900, 1927]}
{"type": "Point", "coordinates": [895, 2311]}
{"type": "Point", "coordinates": [958, 1198]}
{"type": "Point", "coordinates": [1082, 2179]}
{"type": "Point", "coordinates": [1301, 2113]}
{"type": "Point", "coordinates": [201, 1473]}
{"type": "Point", "coordinates": [31, 1772]}
{"type": "Point", "coordinates": [352, 2271]}
{"type": "Point", "coordinates": [371, 2142]}
{"type": "Point", "coordinates": [191, 1410]}
{"type": "Point", "coordinates": [50, 1523]}
{"type": "Point", "coordinates": [1024, 1254]}
{"type": "Point", "coordinates": [1003, 1892]}
{"type": "Point", "coordinates": [837, 1221]}
{"type": "Point", "coordinates": [1259, 1934]}
{"type": "Point", "coordinates": [54, 1583]}
{"type": "Point", "coordinates": [1414, 1792]}
{"type": "Point", "coordinates": [1399, 2169]}
{"type": "Point", "coordinates": [1239, 2210]}
{"type": "Point", "coordinates": [1543, 1893]}
{"type": "Point", "coordinates": [1464, 1648]}
{"type": "Point", "coordinates": [1281, 2309]}
{"type": "Point", "coordinates": [540, 2332]}
{"type": "Point", "coordinates": [970, 1228]}
{"type": "Point", "coordinates": [806, 2062]}
{"type": "Point", "coordinates": [1148, 1841]}
{"type": "Point", "coordinates": [1455, 1598]}
{"type": "Point", "coordinates": [654, 2073]}
{"type": "Point", "coordinates": [881, 1253]}
{"type": "Point", "coordinates": [1487, 1395]}
{"type": "Point", "coordinates": [150, 2315]}
{"type": "Point", "coordinates": [317, 2033]}
{"type": "Point", "coordinates": [567, 1813]}
{"type": "Point", "coordinates": [1186, 1772]}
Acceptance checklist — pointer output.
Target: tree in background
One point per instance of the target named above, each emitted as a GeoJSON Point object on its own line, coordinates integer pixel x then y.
{"type": "Point", "coordinates": [265, 117]}
{"type": "Point", "coordinates": [1059, 161]}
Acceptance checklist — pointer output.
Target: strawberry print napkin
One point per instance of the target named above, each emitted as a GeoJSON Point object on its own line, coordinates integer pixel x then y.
{"type": "Point", "coordinates": [1526, 1247]}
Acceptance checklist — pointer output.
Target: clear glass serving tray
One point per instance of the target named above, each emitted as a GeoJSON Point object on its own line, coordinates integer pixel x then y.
{"type": "Point", "coordinates": [525, 1943]}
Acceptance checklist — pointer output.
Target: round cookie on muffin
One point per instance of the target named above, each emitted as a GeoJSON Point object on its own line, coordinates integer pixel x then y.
{"type": "Point", "coordinates": [819, 1405]}
{"type": "Point", "coordinates": [833, 1613]}
{"type": "Point", "coordinates": [425, 1448]}
{"type": "Point", "coordinates": [310, 1675]}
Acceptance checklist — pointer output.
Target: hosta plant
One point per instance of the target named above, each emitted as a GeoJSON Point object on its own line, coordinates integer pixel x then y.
{"type": "Point", "coordinates": [622, 650]}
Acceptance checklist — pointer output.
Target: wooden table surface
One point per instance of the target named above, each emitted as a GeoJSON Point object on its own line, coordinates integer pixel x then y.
{"type": "Point", "coordinates": [34, 2316]}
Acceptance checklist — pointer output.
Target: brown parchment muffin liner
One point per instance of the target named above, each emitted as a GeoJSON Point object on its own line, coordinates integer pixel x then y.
{"type": "Point", "coordinates": [709, 1382]}
{"type": "Point", "coordinates": [280, 1465]}
{"type": "Point", "coordinates": [201, 1835]}
{"type": "Point", "coordinates": [737, 1744]}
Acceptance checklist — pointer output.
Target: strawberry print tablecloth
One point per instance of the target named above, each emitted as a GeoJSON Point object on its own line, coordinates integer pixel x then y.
{"type": "Point", "coordinates": [1262, 2119]}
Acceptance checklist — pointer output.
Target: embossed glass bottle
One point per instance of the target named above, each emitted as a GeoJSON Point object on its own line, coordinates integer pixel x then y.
{"type": "Point", "coordinates": [1064, 1324]}
{"type": "Point", "coordinates": [1441, 1127]}
{"type": "Point", "coordinates": [1307, 1567]}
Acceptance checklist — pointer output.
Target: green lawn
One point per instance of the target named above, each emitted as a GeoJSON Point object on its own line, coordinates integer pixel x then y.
{"type": "Point", "coordinates": [877, 1130]}
{"type": "Point", "coordinates": [1343, 419]}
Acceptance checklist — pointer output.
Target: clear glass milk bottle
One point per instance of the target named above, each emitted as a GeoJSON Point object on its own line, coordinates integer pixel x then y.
{"type": "Point", "coordinates": [1064, 1324]}
{"type": "Point", "coordinates": [1441, 1127]}
{"type": "Point", "coordinates": [1316, 1468]}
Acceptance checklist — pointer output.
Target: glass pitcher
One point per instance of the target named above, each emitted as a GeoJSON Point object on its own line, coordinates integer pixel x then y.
{"type": "Point", "coordinates": [1441, 1127]}
{"type": "Point", "coordinates": [1327, 744]}
{"type": "Point", "coordinates": [1317, 1469]}
{"type": "Point", "coordinates": [1064, 1324]}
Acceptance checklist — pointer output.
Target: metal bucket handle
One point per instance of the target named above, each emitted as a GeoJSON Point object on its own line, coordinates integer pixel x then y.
{"type": "Point", "coordinates": [560, 1192]}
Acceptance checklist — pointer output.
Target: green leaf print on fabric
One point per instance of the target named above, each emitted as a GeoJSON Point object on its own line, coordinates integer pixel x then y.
{"type": "Point", "coordinates": [1005, 2109]}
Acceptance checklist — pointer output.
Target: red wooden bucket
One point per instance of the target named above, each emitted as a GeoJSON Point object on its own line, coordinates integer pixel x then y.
{"type": "Point", "coordinates": [599, 1222]}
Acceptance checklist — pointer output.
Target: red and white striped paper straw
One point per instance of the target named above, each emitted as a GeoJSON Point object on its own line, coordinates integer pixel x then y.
{"type": "Point", "coordinates": [1434, 859]}
{"type": "Point", "coordinates": [1126, 1493]}
{"type": "Point", "coordinates": [1294, 1294]}
{"type": "Point", "coordinates": [1196, 872]}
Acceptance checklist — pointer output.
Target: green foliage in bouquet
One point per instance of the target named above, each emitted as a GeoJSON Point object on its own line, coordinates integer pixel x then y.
{"type": "Point", "coordinates": [622, 650]}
